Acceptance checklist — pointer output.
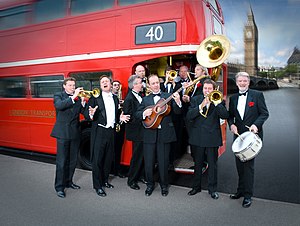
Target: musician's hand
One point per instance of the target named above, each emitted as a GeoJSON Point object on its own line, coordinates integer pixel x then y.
{"type": "Point", "coordinates": [186, 84]}
{"type": "Point", "coordinates": [77, 91]}
{"type": "Point", "coordinates": [176, 97]}
{"type": "Point", "coordinates": [234, 129]}
{"type": "Point", "coordinates": [92, 110]}
{"type": "Point", "coordinates": [186, 98]}
{"type": "Point", "coordinates": [124, 118]}
{"type": "Point", "coordinates": [205, 101]}
{"type": "Point", "coordinates": [147, 112]}
{"type": "Point", "coordinates": [253, 128]}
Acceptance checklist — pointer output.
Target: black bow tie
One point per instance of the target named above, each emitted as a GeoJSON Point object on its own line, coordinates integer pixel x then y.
{"type": "Point", "coordinates": [156, 94]}
{"type": "Point", "coordinates": [184, 80]}
{"type": "Point", "coordinates": [69, 95]}
{"type": "Point", "coordinates": [243, 94]}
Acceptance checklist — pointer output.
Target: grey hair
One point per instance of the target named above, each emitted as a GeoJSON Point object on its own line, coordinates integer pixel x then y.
{"type": "Point", "coordinates": [132, 80]}
{"type": "Point", "coordinates": [242, 73]}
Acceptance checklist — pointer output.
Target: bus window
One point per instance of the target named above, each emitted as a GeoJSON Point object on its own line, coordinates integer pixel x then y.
{"type": "Point", "coordinates": [13, 87]}
{"type": "Point", "coordinates": [85, 6]}
{"type": "Point", "coordinates": [89, 80]}
{"type": "Point", "coordinates": [14, 17]}
{"type": "Point", "coordinates": [45, 10]}
{"type": "Point", "coordinates": [46, 86]}
{"type": "Point", "coordinates": [129, 2]}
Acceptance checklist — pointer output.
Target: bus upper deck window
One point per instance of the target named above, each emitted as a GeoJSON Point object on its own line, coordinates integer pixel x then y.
{"type": "Point", "coordinates": [13, 87]}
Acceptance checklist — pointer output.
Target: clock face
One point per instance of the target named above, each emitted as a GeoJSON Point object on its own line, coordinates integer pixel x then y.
{"type": "Point", "coordinates": [249, 34]}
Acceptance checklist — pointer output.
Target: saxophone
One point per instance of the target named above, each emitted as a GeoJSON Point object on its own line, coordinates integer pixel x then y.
{"type": "Point", "coordinates": [191, 88]}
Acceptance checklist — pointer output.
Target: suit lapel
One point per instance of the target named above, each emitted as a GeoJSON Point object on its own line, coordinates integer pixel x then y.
{"type": "Point", "coordinates": [249, 99]}
{"type": "Point", "coordinates": [101, 106]}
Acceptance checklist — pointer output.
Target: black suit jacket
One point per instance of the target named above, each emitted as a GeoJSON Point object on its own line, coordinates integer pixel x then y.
{"type": "Point", "coordinates": [166, 134]}
{"type": "Point", "coordinates": [100, 115]}
{"type": "Point", "coordinates": [67, 125]}
{"type": "Point", "coordinates": [256, 112]}
{"type": "Point", "coordinates": [133, 128]}
{"type": "Point", "coordinates": [205, 132]}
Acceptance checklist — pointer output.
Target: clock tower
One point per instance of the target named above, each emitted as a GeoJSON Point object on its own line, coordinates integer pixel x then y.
{"type": "Point", "coordinates": [251, 43]}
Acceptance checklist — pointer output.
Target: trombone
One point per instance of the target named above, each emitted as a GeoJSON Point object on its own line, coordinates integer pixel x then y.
{"type": "Point", "coordinates": [214, 97]}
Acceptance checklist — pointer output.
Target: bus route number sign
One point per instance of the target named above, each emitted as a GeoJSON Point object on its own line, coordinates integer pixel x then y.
{"type": "Point", "coordinates": [155, 33]}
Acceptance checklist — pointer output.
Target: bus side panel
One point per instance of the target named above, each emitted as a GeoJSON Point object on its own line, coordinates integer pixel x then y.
{"type": "Point", "coordinates": [27, 124]}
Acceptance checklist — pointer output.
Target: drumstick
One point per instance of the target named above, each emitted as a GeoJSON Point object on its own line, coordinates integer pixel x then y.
{"type": "Point", "coordinates": [248, 127]}
{"type": "Point", "coordinates": [240, 136]}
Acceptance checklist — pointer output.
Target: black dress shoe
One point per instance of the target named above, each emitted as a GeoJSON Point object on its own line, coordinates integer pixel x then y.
{"type": "Point", "coordinates": [149, 191]}
{"type": "Point", "coordinates": [193, 192]}
{"type": "Point", "coordinates": [164, 191]}
{"type": "Point", "coordinates": [108, 185]}
{"type": "Point", "coordinates": [247, 202]}
{"type": "Point", "coordinates": [100, 192]}
{"type": "Point", "coordinates": [236, 196]}
{"type": "Point", "coordinates": [142, 180]}
{"type": "Point", "coordinates": [61, 194]}
{"type": "Point", "coordinates": [134, 186]}
{"type": "Point", "coordinates": [121, 175]}
{"type": "Point", "coordinates": [214, 195]}
{"type": "Point", "coordinates": [73, 186]}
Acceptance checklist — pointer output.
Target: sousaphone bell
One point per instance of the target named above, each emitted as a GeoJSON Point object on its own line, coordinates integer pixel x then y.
{"type": "Point", "coordinates": [212, 52]}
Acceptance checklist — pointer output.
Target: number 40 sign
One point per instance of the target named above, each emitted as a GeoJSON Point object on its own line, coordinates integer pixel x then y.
{"type": "Point", "coordinates": [155, 33]}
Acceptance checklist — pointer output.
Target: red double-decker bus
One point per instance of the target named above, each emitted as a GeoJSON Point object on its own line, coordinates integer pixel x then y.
{"type": "Point", "coordinates": [44, 41]}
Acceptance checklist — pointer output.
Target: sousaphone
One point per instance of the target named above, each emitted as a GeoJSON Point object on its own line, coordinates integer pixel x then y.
{"type": "Point", "coordinates": [212, 52]}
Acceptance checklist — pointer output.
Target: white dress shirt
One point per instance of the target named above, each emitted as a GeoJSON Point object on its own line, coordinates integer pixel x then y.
{"type": "Point", "coordinates": [137, 96]}
{"type": "Point", "coordinates": [242, 105]}
{"type": "Point", "coordinates": [109, 109]}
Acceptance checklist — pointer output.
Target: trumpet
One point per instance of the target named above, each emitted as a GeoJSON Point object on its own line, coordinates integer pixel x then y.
{"type": "Point", "coordinates": [172, 75]}
{"type": "Point", "coordinates": [215, 97]}
{"type": "Point", "coordinates": [87, 94]}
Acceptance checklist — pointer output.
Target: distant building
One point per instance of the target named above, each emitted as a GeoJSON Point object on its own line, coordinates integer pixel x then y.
{"type": "Point", "coordinates": [295, 57]}
{"type": "Point", "coordinates": [251, 45]}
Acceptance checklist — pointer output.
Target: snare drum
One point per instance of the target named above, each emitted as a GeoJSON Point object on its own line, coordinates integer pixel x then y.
{"type": "Point", "coordinates": [247, 146]}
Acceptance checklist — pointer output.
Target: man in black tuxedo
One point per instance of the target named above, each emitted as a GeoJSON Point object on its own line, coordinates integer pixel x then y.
{"type": "Point", "coordinates": [206, 136]}
{"type": "Point", "coordinates": [158, 141]}
{"type": "Point", "coordinates": [103, 111]}
{"type": "Point", "coordinates": [116, 166]}
{"type": "Point", "coordinates": [200, 71]}
{"type": "Point", "coordinates": [180, 119]}
{"type": "Point", "coordinates": [141, 71]}
{"type": "Point", "coordinates": [67, 133]}
{"type": "Point", "coordinates": [246, 109]}
{"type": "Point", "coordinates": [134, 131]}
